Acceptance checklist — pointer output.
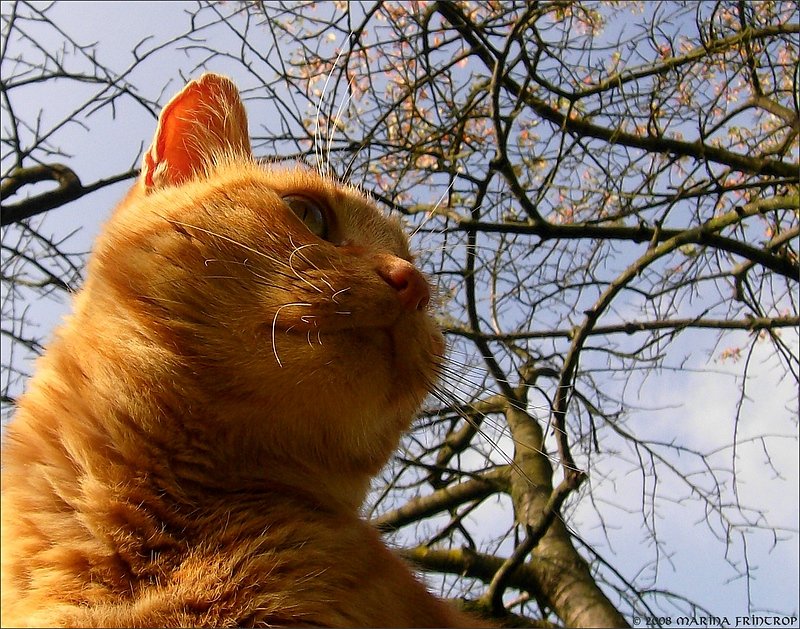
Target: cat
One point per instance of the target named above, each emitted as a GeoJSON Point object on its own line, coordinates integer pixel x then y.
{"type": "Point", "coordinates": [249, 345]}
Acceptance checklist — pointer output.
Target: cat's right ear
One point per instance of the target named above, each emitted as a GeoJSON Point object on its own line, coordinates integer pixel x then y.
{"type": "Point", "coordinates": [203, 122]}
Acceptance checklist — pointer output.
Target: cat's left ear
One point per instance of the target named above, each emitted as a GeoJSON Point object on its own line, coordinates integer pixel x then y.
{"type": "Point", "coordinates": [201, 123]}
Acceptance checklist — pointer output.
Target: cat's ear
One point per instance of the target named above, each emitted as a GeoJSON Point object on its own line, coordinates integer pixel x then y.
{"type": "Point", "coordinates": [204, 121]}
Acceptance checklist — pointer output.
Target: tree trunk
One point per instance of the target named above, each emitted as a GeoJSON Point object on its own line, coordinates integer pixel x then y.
{"type": "Point", "coordinates": [563, 576]}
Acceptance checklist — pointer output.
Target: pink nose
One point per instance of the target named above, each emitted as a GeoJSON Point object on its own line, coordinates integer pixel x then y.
{"type": "Point", "coordinates": [403, 276]}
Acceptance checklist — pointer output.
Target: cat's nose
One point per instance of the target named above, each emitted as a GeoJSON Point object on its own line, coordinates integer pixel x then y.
{"type": "Point", "coordinates": [411, 286]}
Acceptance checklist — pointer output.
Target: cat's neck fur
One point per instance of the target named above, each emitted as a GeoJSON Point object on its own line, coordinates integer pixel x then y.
{"type": "Point", "coordinates": [103, 413]}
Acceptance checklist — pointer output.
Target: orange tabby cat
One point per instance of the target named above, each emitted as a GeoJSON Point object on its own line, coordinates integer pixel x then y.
{"type": "Point", "coordinates": [248, 347]}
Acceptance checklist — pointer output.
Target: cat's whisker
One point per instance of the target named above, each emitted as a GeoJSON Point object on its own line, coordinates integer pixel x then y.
{"type": "Point", "coordinates": [443, 396]}
{"type": "Point", "coordinates": [327, 283]}
{"type": "Point", "coordinates": [275, 322]}
{"type": "Point", "coordinates": [460, 377]}
{"type": "Point", "coordinates": [322, 168]}
{"type": "Point", "coordinates": [297, 251]}
{"type": "Point", "coordinates": [505, 431]}
{"type": "Point", "coordinates": [459, 371]}
{"type": "Point", "coordinates": [463, 384]}
{"type": "Point", "coordinates": [226, 239]}
{"type": "Point", "coordinates": [430, 213]}
{"type": "Point", "coordinates": [337, 120]}
{"type": "Point", "coordinates": [349, 168]}
{"type": "Point", "coordinates": [263, 280]}
{"type": "Point", "coordinates": [501, 427]}
{"type": "Point", "coordinates": [337, 293]}
{"type": "Point", "coordinates": [296, 273]}
{"type": "Point", "coordinates": [545, 408]}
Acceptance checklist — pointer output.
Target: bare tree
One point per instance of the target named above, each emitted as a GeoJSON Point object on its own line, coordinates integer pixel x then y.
{"type": "Point", "coordinates": [602, 193]}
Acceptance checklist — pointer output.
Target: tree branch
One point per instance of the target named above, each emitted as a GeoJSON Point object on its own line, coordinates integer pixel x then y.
{"type": "Point", "coordinates": [593, 314]}
{"type": "Point", "coordinates": [781, 265]}
{"type": "Point", "coordinates": [632, 327]}
{"type": "Point", "coordinates": [493, 481]}
{"type": "Point", "coordinates": [69, 189]}
{"type": "Point", "coordinates": [584, 128]}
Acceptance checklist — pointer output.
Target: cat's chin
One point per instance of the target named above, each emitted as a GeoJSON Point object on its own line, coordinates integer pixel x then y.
{"type": "Point", "coordinates": [401, 361]}
{"type": "Point", "coordinates": [336, 409]}
{"type": "Point", "coordinates": [416, 356]}
{"type": "Point", "coordinates": [396, 358]}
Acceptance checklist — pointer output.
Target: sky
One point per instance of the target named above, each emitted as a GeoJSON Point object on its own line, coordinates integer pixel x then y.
{"type": "Point", "coordinates": [696, 403]}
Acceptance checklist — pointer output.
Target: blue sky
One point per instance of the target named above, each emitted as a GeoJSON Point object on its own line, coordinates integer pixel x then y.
{"type": "Point", "coordinates": [697, 402]}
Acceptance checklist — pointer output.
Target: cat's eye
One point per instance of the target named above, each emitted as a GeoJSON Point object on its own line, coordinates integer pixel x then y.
{"type": "Point", "coordinates": [310, 212]}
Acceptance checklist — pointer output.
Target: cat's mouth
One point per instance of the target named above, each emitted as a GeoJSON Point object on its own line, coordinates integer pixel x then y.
{"type": "Point", "coordinates": [409, 342]}
{"type": "Point", "coordinates": [303, 318]}
{"type": "Point", "coordinates": [403, 334]}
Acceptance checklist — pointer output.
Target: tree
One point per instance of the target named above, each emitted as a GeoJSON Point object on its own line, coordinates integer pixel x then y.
{"type": "Point", "coordinates": [606, 193]}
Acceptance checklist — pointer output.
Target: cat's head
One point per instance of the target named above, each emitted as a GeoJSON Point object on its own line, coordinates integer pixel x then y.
{"type": "Point", "coordinates": [280, 308]}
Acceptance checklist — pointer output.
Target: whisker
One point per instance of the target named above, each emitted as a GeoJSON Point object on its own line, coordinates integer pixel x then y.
{"type": "Point", "coordinates": [442, 396]}
{"type": "Point", "coordinates": [297, 275]}
{"type": "Point", "coordinates": [339, 292]}
{"type": "Point", "coordinates": [297, 251]}
{"type": "Point", "coordinates": [318, 151]}
{"type": "Point", "coordinates": [348, 172]}
{"type": "Point", "coordinates": [275, 321]}
{"type": "Point", "coordinates": [336, 121]}
{"type": "Point", "coordinates": [432, 211]}
{"type": "Point", "coordinates": [504, 431]}
{"type": "Point", "coordinates": [227, 239]}
{"type": "Point", "coordinates": [460, 382]}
